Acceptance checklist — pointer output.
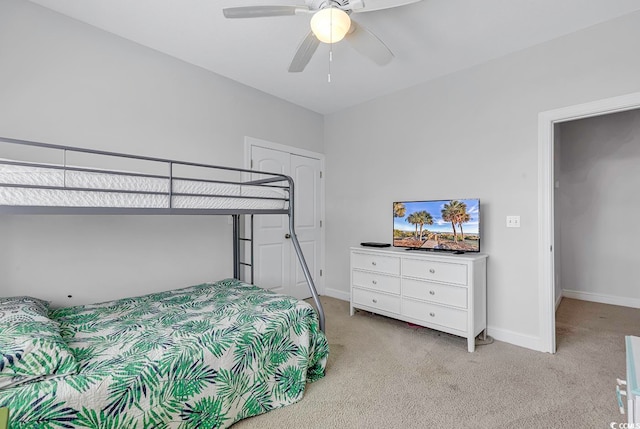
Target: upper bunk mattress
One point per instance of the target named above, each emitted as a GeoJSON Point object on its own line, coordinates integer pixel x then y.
{"type": "Point", "coordinates": [55, 187]}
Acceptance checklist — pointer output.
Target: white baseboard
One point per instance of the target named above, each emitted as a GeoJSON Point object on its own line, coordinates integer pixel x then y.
{"type": "Point", "coordinates": [338, 294]}
{"type": "Point", "coordinates": [602, 298]}
{"type": "Point", "coordinates": [516, 338]}
{"type": "Point", "coordinates": [558, 301]}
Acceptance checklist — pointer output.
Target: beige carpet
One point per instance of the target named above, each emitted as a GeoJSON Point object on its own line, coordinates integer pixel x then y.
{"type": "Point", "coordinates": [383, 373]}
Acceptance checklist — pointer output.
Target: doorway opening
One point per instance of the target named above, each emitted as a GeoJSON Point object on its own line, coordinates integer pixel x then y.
{"type": "Point", "coordinates": [547, 122]}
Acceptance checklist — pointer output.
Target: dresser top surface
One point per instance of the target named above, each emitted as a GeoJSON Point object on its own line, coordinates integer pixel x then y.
{"type": "Point", "coordinates": [472, 256]}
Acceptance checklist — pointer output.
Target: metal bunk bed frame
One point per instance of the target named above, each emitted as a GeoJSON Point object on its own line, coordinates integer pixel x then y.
{"type": "Point", "coordinates": [268, 180]}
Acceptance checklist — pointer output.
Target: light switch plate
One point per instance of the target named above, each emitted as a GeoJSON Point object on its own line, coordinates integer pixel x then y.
{"type": "Point", "coordinates": [513, 221]}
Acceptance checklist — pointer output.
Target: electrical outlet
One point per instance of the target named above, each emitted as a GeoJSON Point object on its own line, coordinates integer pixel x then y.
{"type": "Point", "coordinates": [513, 221]}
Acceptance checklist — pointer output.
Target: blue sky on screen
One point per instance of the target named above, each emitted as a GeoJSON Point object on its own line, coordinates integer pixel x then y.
{"type": "Point", "coordinates": [435, 209]}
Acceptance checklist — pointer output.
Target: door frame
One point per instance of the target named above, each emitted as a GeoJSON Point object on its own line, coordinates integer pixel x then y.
{"type": "Point", "coordinates": [249, 143]}
{"type": "Point", "coordinates": [546, 269]}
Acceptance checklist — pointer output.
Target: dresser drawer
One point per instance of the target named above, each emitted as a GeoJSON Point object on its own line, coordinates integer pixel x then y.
{"type": "Point", "coordinates": [376, 281]}
{"type": "Point", "coordinates": [435, 292]}
{"type": "Point", "coordinates": [378, 263]}
{"type": "Point", "coordinates": [433, 313]}
{"type": "Point", "coordinates": [376, 300]}
{"type": "Point", "coordinates": [438, 271]}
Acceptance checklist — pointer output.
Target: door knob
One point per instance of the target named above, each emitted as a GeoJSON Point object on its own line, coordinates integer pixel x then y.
{"type": "Point", "coordinates": [287, 236]}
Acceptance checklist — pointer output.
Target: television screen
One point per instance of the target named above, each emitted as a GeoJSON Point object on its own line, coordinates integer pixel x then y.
{"type": "Point", "coordinates": [448, 225]}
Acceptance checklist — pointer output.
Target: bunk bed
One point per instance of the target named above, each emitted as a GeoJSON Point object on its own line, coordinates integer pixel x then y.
{"type": "Point", "coordinates": [203, 356]}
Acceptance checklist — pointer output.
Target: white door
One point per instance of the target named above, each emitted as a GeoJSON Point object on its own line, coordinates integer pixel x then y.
{"type": "Point", "coordinates": [276, 266]}
{"type": "Point", "coordinates": [306, 177]}
{"type": "Point", "coordinates": [272, 252]}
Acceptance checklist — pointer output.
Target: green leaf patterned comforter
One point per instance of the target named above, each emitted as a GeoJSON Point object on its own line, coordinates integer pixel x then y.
{"type": "Point", "coordinates": [200, 357]}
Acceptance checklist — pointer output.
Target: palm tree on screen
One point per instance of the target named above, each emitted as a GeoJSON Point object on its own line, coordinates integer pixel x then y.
{"type": "Point", "coordinates": [463, 217]}
{"type": "Point", "coordinates": [457, 215]}
{"type": "Point", "coordinates": [413, 219]}
{"type": "Point", "coordinates": [399, 210]}
{"type": "Point", "coordinates": [423, 217]}
{"type": "Point", "coordinates": [449, 214]}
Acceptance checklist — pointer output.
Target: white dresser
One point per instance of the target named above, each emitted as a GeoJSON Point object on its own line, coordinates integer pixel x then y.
{"type": "Point", "coordinates": [441, 291]}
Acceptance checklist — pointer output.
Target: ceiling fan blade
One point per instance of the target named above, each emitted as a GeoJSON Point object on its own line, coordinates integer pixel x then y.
{"type": "Point", "coordinates": [368, 44]}
{"type": "Point", "coordinates": [304, 53]}
{"type": "Point", "coordinates": [371, 5]}
{"type": "Point", "coordinates": [263, 11]}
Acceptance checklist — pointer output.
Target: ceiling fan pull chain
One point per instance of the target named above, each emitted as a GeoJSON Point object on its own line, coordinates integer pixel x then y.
{"type": "Point", "coordinates": [330, 43]}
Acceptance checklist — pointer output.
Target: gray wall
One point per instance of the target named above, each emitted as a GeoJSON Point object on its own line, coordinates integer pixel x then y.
{"type": "Point", "coordinates": [471, 134]}
{"type": "Point", "coordinates": [68, 83]}
{"type": "Point", "coordinates": [598, 202]}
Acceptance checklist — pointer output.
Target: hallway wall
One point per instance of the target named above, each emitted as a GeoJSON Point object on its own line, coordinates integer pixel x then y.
{"type": "Point", "coordinates": [598, 207]}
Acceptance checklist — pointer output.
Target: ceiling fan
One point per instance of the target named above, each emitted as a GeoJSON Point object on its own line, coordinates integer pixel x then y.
{"type": "Point", "coordinates": [330, 23]}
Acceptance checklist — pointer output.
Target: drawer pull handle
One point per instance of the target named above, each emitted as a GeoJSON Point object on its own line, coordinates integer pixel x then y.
{"type": "Point", "coordinates": [373, 263]}
{"type": "Point", "coordinates": [432, 292]}
{"type": "Point", "coordinates": [375, 301]}
{"type": "Point", "coordinates": [432, 271]}
{"type": "Point", "coordinates": [374, 282]}
{"type": "Point", "coordinates": [432, 314]}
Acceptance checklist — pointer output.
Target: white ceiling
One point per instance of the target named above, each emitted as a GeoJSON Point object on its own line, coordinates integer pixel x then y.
{"type": "Point", "coordinates": [430, 38]}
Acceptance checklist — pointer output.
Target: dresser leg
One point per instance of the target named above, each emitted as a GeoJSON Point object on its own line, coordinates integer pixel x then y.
{"type": "Point", "coordinates": [471, 344]}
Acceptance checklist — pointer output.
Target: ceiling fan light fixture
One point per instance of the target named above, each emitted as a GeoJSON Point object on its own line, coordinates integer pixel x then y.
{"type": "Point", "coordinates": [330, 24]}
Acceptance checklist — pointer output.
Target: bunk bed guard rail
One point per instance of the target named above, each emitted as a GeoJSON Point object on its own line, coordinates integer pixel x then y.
{"type": "Point", "coordinates": [42, 178]}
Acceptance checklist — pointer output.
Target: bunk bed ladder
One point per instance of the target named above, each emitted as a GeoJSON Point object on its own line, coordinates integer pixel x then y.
{"type": "Point", "coordinates": [237, 264]}
{"type": "Point", "coordinates": [238, 259]}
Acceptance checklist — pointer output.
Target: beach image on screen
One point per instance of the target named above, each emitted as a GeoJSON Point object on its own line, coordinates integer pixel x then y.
{"type": "Point", "coordinates": [438, 225]}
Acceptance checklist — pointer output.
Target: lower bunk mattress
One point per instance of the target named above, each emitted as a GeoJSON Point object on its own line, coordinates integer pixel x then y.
{"type": "Point", "coordinates": [204, 356]}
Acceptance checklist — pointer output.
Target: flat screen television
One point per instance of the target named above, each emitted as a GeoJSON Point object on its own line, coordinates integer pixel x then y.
{"type": "Point", "coordinates": [437, 225]}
